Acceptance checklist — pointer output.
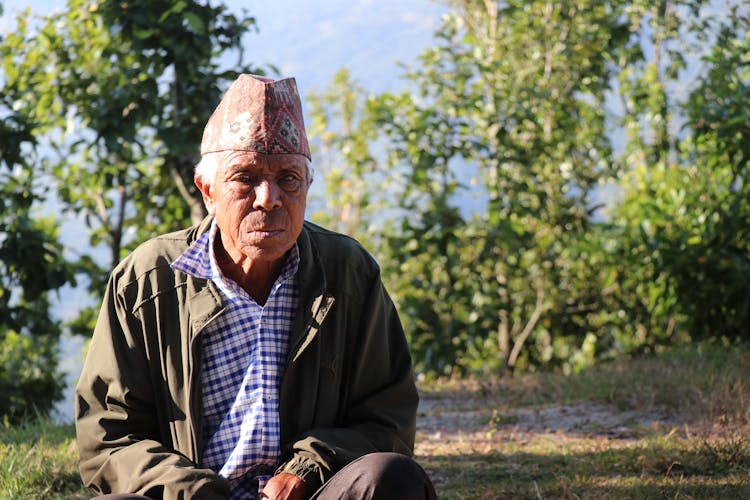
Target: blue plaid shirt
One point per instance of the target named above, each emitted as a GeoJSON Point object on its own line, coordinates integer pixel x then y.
{"type": "Point", "coordinates": [244, 354]}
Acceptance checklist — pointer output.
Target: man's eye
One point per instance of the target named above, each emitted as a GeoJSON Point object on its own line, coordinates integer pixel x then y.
{"type": "Point", "coordinates": [246, 179]}
{"type": "Point", "coordinates": [289, 181]}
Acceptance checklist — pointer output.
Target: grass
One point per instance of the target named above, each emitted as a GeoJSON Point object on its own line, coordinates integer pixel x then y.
{"type": "Point", "coordinates": [680, 429]}
{"type": "Point", "coordinates": [651, 467]}
{"type": "Point", "coordinates": [39, 460]}
{"type": "Point", "coordinates": [683, 431]}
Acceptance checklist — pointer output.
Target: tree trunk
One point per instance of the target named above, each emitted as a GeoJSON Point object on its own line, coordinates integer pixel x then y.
{"type": "Point", "coordinates": [189, 192]}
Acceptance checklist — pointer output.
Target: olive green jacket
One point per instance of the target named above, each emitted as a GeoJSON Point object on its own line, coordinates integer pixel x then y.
{"type": "Point", "coordinates": [347, 390]}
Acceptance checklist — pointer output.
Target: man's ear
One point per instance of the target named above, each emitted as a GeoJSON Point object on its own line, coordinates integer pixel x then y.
{"type": "Point", "coordinates": [205, 189]}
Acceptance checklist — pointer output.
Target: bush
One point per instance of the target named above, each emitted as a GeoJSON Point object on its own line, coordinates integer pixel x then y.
{"type": "Point", "coordinates": [30, 382]}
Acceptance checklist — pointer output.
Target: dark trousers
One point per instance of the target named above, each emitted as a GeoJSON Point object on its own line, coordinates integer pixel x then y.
{"type": "Point", "coordinates": [377, 476]}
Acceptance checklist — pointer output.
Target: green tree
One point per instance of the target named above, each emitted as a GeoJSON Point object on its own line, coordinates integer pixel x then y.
{"type": "Point", "coordinates": [649, 69]}
{"type": "Point", "coordinates": [711, 277]}
{"type": "Point", "coordinates": [681, 243]}
{"type": "Point", "coordinates": [427, 262]}
{"type": "Point", "coordinates": [31, 263]}
{"type": "Point", "coordinates": [510, 104]}
{"type": "Point", "coordinates": [124, 89]}
{"type": "Point", "coordinates": [342, 127]}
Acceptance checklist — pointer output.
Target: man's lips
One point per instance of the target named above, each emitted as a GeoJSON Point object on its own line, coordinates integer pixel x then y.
{"type": "Point", "coordinates": [265, 232]}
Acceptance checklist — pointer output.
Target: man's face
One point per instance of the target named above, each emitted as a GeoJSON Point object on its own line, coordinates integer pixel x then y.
{"type": "Point", "coordinates": [258, 201]}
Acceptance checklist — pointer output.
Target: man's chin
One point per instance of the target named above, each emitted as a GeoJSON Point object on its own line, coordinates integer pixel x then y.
{"type": "Point", "coordinates": [267, 249]}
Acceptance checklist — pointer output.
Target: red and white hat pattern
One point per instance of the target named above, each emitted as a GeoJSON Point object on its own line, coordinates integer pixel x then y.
{"type": "Point", "coordinates": [260, 115]}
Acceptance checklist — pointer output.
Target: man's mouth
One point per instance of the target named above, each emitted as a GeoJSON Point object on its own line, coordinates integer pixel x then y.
{"type": "Point", "coordinates": [265, 232]}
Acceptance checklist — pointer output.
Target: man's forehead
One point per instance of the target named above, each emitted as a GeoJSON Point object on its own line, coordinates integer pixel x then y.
{"type": "Point", "coordinates": [240, 160]}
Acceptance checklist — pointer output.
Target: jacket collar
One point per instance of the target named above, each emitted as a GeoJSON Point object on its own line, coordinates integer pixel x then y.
{"type": "Point", "coordinates": [204, 301]}
{"type": "Point", "coordinates": [196, 231]}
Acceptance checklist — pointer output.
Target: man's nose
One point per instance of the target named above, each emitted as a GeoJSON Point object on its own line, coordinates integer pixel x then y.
{"type": "Point", "coordinates": [267, 196]}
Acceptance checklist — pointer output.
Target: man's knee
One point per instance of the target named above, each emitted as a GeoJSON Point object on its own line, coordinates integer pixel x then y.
{"type": "Point", "coordinates": [396, 475]}
{"type": "Point", "coordinates": [380, 476]}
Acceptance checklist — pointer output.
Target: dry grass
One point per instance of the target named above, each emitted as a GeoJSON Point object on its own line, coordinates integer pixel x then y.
{"type": "Point", "coordinates": [672, 426]}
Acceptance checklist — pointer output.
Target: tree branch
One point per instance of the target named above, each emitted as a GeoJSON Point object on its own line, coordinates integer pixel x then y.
{"type": "Point", "coordinates": [530, 325]}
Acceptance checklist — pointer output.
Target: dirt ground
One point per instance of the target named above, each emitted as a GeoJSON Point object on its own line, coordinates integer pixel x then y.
{"type": "Point", "coordinates": [443, 419]}
{"type": "Point", "coordinates": [469, 424]}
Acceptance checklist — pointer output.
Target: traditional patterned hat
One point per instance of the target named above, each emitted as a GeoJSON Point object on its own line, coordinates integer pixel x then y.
{"type": "Point", "coordinates": [258, 114]}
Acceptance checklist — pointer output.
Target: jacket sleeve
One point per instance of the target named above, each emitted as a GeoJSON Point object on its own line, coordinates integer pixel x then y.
{"type": "Point", "coordinates": [117, 428]}
{"type": "Point", "coordinates": [379, 397]}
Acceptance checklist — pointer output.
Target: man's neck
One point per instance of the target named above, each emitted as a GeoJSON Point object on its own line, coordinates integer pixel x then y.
{"type": "Point", "coordinates": [256, 278]}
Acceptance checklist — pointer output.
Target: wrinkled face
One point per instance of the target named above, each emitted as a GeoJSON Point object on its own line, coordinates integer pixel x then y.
{"type": "Point", "coordinates": [258, 201]}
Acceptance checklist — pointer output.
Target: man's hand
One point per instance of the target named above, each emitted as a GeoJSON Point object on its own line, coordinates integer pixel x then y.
{"type": "Point", "coordinates": [284, 486]}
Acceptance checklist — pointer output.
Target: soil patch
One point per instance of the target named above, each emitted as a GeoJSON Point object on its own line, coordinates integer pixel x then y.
{"type": "Point", "coordinates": [443, 420]}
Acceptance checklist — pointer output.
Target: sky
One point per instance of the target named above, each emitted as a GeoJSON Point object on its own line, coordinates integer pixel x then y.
{"type": "Point", "coordinates": [309, 40]}
{"type": "Point", "coordinates": [312, 40]}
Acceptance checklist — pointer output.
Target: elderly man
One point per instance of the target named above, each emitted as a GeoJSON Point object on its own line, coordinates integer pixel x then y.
{"type": "Point", "coordinates": [255, 355]}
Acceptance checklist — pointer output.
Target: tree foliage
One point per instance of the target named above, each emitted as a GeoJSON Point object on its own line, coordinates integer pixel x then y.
{"type": "Point", "coordinates": [124, 90]}
{"type": "Point", "coordinates": [560, 199]}
{"type": "Point", "coordinates": [525, 128]}
{"type": "Point", "coordinates": [106, 103]}
{"type": "Point", "coordinates": [558, 182]}
{"type": "Point", "coordinates": [31, 263]}
{"type": "Point", "coordinates": [343, 128]}
{"type": "Point", "coordinates": [683, 220]}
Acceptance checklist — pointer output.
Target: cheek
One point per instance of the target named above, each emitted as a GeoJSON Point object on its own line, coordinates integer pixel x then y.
{"type": "Point", "coordinates": [232, 207]}
{"type": "Point", "coordinates": [297, 209]}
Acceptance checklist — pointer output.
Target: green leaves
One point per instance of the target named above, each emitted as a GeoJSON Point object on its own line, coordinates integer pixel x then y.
{"type": "Point", "coordinates": [504, 89]}
{"type": "Point", "coordinates": [342, 126]}
{"type": "Point", "coordinates": [477, 187]}
{"type": "Point", "coordinates": [501, 153]}
{"type": "Point", "coordinates": [125, 91]}
{"type": "Point", "coordinates": [118, 94]}
{"type": "Point", "coordinates": [29, 382]}
{"type": "Point", "coordinates": [31, 258]}
{"type": "Point", "coordinates": [689, 190]}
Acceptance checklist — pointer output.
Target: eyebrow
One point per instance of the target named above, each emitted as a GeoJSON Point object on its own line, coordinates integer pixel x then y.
{"type": "Point", "coordinates": [241, 167]}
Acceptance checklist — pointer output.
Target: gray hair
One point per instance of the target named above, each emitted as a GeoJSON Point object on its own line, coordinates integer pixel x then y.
{"type": "Point", "coordinates": [208, 166]}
